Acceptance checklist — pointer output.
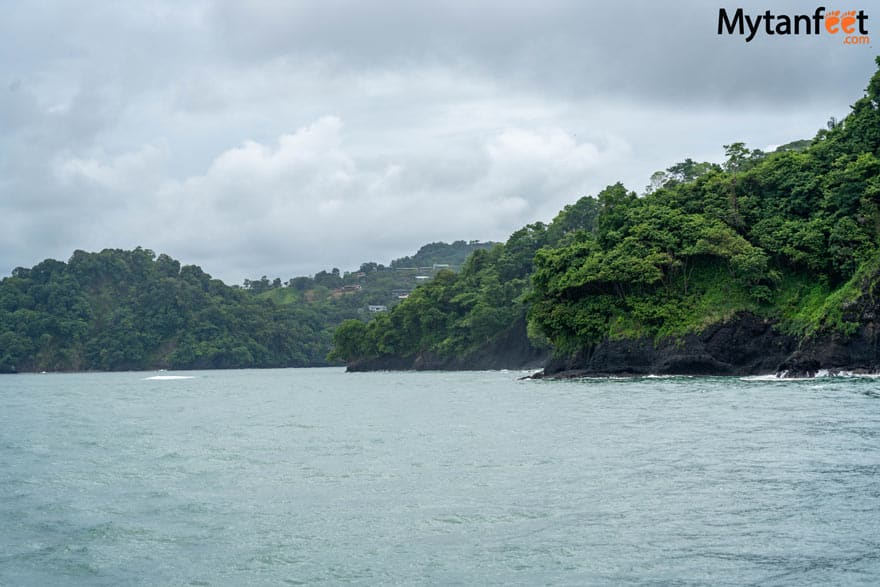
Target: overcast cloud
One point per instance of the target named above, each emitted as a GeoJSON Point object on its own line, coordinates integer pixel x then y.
{"type": "Point", "coordinates": [281, 138]}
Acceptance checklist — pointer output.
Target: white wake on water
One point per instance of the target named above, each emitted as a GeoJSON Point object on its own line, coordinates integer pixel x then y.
{"type": "Point", "coordinates": [167, 377]}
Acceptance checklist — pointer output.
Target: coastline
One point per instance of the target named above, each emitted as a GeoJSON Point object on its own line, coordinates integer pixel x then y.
{"type": "Point", "coordinates": [746, 345]}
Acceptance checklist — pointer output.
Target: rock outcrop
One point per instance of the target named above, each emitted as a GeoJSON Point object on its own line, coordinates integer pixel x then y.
{"type": "Point", "coordinates": [834, 352]}
{"type": "Point", "coordinates": [743, 345]}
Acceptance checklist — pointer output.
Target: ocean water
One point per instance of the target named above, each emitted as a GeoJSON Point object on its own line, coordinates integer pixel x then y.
{"type": "Point", "coordinates": [318, 477]}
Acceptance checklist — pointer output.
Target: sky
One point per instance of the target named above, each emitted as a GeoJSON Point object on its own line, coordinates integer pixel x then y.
{"type": "Point", "coordinates": [283, 138]}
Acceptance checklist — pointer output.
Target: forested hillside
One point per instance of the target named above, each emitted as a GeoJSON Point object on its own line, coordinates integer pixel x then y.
{"type": "Point", "coordinates": [453, 254]}
{"type": "Point", "coordinates": [131, 310]}
{"type": "Point", "coordinates": [767, 259]}
{"type": "Point", "coordinates": [117, 310]}
{"type": "Point", "coordinates": [787, 239]}
{"type": "Point", "coordinates": [470, 313]}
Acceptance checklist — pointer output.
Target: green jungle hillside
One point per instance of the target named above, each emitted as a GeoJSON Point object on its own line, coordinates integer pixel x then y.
{"type": "Point", "coordinates": [789, 236]}
{"type": "Point", "coordinates": [121, 310]}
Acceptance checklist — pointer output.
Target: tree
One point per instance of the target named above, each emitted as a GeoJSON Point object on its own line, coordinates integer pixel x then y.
{"type": "Point", "coordinates": [615, 202]}
{"type": "Point", "coordinates": [658, 180]}
{"type": "Point", "coordinates": [349, 341]}
{"type": "Point", "coordinates": [689, 170]}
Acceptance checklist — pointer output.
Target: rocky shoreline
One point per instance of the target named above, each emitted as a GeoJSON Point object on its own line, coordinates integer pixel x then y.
{"type": "Point", "coordinates": [745, 345]}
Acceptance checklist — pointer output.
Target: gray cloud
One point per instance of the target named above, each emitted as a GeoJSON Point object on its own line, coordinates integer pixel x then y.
{"type": "Point", "coordinates": [283, 138]}
{"type": "Point", "coordinates": [308, 200]}
{"type": "Point", "coordinates": [568, 47]}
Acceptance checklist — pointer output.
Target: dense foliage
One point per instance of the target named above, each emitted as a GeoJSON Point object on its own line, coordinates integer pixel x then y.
{"type": "Point", "coordinates": [458, 313]}
{"type": "Point", "coordinates": [120, 309]}
{"type": "Point", "coordinates": [792, 236]}
{"type": "Point", "coordinates": [453, 254]}
{"type": "Point", "coordinates": [788, 235]}
{"type": "Point", "coordinates": [131, 310]}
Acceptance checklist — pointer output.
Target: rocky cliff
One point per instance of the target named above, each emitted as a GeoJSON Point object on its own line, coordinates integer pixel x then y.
{"type": "Point", "coordinates": [858, 352]}
{"type": "Point", "coordinates": [744, 345]}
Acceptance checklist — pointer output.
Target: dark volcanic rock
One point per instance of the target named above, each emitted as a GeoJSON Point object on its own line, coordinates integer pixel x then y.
{"type": "Point", "coordinates": [744, 345]}
{"type": "Point", "coordinates": [834, 352]}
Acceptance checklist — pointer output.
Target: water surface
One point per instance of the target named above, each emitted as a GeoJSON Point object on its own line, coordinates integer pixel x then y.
{"type": "Point", "coordinates": [314, 476]}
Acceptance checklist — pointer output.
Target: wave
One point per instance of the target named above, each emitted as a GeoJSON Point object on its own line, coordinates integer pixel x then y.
{"type": "Point", "coordinates": [820, 374]}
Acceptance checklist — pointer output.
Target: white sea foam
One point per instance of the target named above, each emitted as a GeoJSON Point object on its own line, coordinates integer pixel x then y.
{"type": "Point", "coordinates": [773, 377]}
{"type": "Point", "coordinates": [760, 378]}
{"type": "Point", "coordinates": [167, 377]}
{"type": "Point", "coordinates": [820, 374]}
{"type": "Point", "coordinates": [666, 376]}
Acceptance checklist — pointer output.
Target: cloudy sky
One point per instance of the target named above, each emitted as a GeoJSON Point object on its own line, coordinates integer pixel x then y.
{"type": "Point", "coordinates": [280, 138]}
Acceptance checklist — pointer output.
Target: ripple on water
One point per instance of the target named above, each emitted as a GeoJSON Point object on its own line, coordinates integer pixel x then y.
{"type": "Point", "coordinates": [317, 477]}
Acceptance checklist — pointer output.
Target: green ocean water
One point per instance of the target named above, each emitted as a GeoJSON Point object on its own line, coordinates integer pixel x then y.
{"type": "Point", "coordinates": [318, 477]}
